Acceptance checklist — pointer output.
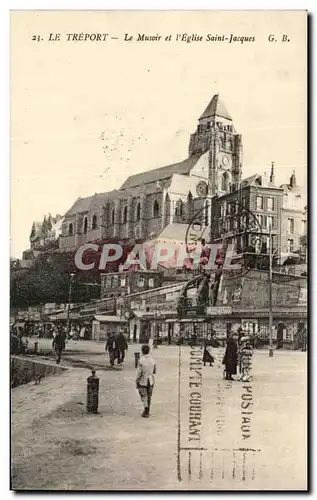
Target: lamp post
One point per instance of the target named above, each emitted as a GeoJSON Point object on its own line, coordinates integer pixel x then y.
{"type": "Point", "coordinates": [69, 300]}
{"type": "Point", "coordinates": [155, 339]}
{"type": "Point", "coordinates": [271, 256]}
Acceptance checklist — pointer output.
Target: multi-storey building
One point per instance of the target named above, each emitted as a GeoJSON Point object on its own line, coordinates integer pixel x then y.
{"type": "Point", "coordinates": [126, 282]}
{"type": "Point", "coordinates": [246, 216]}
{"type": "Point", "coordinates": [293, 226]}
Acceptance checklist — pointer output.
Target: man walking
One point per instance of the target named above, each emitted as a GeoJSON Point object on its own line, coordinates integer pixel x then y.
{"type": "Point", "coordinates": [112, 348]}
{"type": "Point", "coordinates": [122, 346]}
{"type": "Point", "coordinates": [58, 345]}
{"type": "Point", "coordinates": [145, 379]}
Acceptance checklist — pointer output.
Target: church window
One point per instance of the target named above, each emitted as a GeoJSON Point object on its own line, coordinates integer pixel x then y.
{"type": "Point", "coordinates": [70, 229]}
{"type": "Point", "coordinates": [125, 215]}
{"type": "Point", "coordinates": [94, 222]}
{"type": "Point", "coordinates": [156, 209]}
{"type": "Point", "coordinates": [225, 182]}
{"type": "Point", "coordinates": [179, 208]}
{"type": "Point", "coordinates": [151, 282]}
{"type": "Point", "coordinates": [85, 225]}
{"type": "Point", "coordinates": [138, 212]}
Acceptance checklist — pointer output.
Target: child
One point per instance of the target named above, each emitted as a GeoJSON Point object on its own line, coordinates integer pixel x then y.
{"type": "Point", "coordinates": [245, 359]}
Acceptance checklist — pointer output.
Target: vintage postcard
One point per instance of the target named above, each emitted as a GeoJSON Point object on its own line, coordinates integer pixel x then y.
{"type": "Point", "coordinates": [158, 305]}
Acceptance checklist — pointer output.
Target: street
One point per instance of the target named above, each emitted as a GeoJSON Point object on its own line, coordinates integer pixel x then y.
{"type": "Point", "coordinates": [57, 445]}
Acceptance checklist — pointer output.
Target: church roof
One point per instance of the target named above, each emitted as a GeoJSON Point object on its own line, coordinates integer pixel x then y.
{"type": "Point", "coordinates": [158, 174]}
{"type": "Point", "coordinates": [91, 203]}
{"type": "Point", "coordinates": [36, 231]}
{"type": "Point", "coordinates": [216, 108]}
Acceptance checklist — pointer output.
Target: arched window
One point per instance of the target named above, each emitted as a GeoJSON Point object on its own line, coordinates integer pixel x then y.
{"type": "Point", "coordinates": [179, 209]}
{"type": "Point", "coordinates": [138, 211]}
{"type": "Point", "coordinates": [70, 229]}
{"type": "Point", "coordinates": [94, 222]}
{"type": "Point", "coordinates": [156, 209]}
{"type": "Point", "coordinates": [112, 216]}
{"type": "Point", "coordinates": [125, 215]}
{"type": "Point", "coordinates": [225, 182]}
{"type": "Point", "coordinates": [85, 225]}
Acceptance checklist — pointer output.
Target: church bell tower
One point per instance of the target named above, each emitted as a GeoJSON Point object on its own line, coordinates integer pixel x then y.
{"type": "Point", "coordinates": [216, 133]}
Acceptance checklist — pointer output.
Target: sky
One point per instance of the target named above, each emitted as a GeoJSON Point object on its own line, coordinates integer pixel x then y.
{"type": "Point", "coordinates": [86, 115]}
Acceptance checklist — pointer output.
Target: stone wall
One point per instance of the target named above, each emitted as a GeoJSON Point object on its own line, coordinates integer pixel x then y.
{"type": "Point", "coordinates": [24, 370]}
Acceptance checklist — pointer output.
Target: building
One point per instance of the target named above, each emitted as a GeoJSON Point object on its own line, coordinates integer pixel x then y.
{"type": "Point", "coordinates": [127, 282]}
{"type": "Point", "coordinates": [246, 216]}
{"type": "Point", "coordinates": [293, 225]}
{"type": "Point", "coordinates": [44, 236]}
{"type": "Point", "coordinates": [162, 199]}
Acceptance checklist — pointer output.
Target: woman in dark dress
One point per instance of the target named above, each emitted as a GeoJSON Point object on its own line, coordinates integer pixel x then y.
{"type": "Point", "coordinates": [230, 359]}
{"type": "Point", "coordinates": [207, 357]}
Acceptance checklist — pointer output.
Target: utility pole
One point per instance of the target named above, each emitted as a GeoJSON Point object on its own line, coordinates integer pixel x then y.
{"type": "Point", "coordinates": [270, 297]}
{"type": "Point", "coordinates": [69, 301]}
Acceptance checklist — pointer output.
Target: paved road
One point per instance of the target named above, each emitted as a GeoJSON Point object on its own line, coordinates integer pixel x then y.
{"type": "Point", "coordinates": [56, 445]}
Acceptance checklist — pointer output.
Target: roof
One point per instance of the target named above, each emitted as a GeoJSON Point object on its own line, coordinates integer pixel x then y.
{"type": "Point", "coordinates": [91, 203]}
{"type": "Point", "coordinates": [183, 167]}
{"type": "Point", "coordinates": [175, 232]}
{"type": "Point", "coordinates": [216, 108]}
{"type": "Point", "coordinates": [249, 181]}
{"type": "Point", "coordinates": [36, 230]}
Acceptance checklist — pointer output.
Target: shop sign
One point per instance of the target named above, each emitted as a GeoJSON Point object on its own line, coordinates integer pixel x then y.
{"type": "Point", "coordinates": [219, 311]}
{"type": "Point", "coordinates": [194, 311]}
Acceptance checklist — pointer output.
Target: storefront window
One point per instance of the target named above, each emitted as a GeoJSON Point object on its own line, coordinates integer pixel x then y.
{"type": "Point", "coordinates": [263, 330]}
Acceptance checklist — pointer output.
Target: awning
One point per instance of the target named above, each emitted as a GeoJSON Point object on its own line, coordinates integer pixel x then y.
{"type": "Point", "coordinates": [143, 314]}
{"type": "Point", "coordinates": [109, 319]}
{"type": "Point", "coordinates": [288, 255]}
{"type": "Point", "coordinates": [193, 320]}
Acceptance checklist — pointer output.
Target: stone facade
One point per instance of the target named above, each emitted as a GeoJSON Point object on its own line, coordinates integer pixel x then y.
{"type": "Point", "coordinates": [124, 283]}
{"type": "Point", "coordinates": [207, 185]}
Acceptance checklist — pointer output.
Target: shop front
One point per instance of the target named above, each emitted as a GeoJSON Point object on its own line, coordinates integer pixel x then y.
{"type": "Point", "coordinates": [288, 326]}
{"type": "Point", "coordinates": [102, 325]}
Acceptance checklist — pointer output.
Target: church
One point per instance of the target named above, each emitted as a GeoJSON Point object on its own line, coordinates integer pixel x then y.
{"type": "Point", "coordinates": [159, 204]}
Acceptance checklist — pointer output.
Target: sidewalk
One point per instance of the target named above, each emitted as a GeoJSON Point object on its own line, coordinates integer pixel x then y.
{"type": "Point", "coordinates": [57, 445]}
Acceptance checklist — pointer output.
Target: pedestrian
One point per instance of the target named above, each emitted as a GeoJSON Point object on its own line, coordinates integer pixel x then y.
{"type": "Point", "coordinates": [58, 345]}
{"type": "Point", "coordinates": [145, 379]}
{"type": "Point", "coordinates": [207, 357]}
{"type": "Point", "coordinates": [304, 340]}
{"type": "Point", "coordinates": [246, 353]}
{"type": "Point", "coordinates": [111, 347]}
{"type": "Point", "coordinates": [82, 333]}
{"type": "Point", "coordinates": [122, 346]}
{"type": "Point", "coordinates": [240, 334]}
{"type": "Point", "coordinates": [230, 359]}
{"type": "Point", "coordinates": [193, 340]}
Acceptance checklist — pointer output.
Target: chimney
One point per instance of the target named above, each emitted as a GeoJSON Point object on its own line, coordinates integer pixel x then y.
{"type": "Point", "coordinates": [272, 176]}
{"type": "Point", "coordinates": [265, 180]}
{"type": "Point", "coordinates": [292, 181]}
